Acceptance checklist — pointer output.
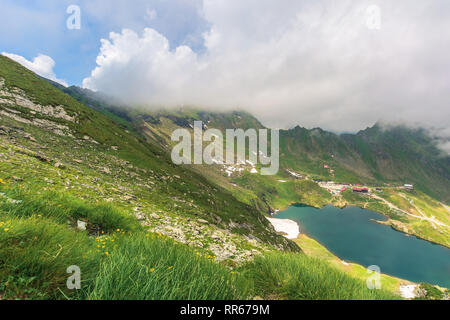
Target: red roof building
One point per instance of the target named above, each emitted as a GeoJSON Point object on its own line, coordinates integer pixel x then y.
{"type": "Point", "coordinates": [361, 190]}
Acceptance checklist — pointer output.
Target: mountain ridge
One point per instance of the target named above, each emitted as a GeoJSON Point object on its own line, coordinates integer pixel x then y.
{"type": "Point", "coordinates": [372, 155]}
{"type": "Point", "coordinates": [98, 190]}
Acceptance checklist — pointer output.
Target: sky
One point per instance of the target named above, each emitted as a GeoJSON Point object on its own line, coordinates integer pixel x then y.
{"type": "Point", "coordinates": [340, 65]}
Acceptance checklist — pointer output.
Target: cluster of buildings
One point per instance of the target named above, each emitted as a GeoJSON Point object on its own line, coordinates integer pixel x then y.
{"type": "Point", "coordinates": [334, 188]}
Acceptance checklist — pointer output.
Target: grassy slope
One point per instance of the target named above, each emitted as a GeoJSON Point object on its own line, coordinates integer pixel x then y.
{"type": "Point", "coordinates": [128, 263]}
{"type": "Point", "coordinates": [49, 182]}
{"type": "Point", "coordinates": [306, 151]}
{"type": "Point", "coordinates": [35, 252]}
{"type": "Point", "coordinates": [133, 160]}
{"type": "Point", "coordinates": [297, 276]}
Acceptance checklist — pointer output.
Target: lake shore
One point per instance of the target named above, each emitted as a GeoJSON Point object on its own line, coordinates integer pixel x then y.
{"type": "Point", "coordinates": [328, 226]}
{"type": "Point", "coordinates": [313, 248]}
{"type": "Point", "coordinates": [396, 225]}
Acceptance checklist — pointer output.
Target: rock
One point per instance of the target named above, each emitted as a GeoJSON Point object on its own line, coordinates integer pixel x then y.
{"type": "Point", "coordinates": [115, 148]}
{"type": "Point", "coordinates": [203, 221]}
{"type": "Point", "coordinates": [49, 181]}
{"type": "Point", "coordinates": [29, 137]}
{"type": "Point", "coordinates": [42, 158]}
{"type": "Point", "coordinates": [78, 161]}
{"type": "Point", "coordinates": [216, 218]}
{"type": "Point", "coordinates": [154, 216]}
{"type": "Point", "coordinates": [215, 236]}
{"type": "Point", "coordinates": [4, 130]}
{"type": "Point", "coordinates": [105, 170]}
{"type": "Point", "coordinates": [129, 197]}
{"type": "Point", "coordinates": [81, 225]}
{"type": "Point", "coordinates": [245, 226]}
{"type": "Point", "coordinates": [140, 216]}
{"type": "Point", "coordinates": [59, 165]}
{"type": "Point", "coordinates": [233, 225]}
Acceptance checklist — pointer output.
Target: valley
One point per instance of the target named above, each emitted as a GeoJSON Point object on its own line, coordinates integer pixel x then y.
{"type": "Point", "coordinates": [70, 159]}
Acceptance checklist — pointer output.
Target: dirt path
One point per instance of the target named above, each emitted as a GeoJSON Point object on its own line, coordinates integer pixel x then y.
{"type": "Point", "coordinates": [432, 220]}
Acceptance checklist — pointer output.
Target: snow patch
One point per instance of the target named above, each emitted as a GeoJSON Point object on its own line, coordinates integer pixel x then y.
{"type": "Point", "coordinates": [289, 227]}
{"type": "Point", "coordinates": [408, 291]}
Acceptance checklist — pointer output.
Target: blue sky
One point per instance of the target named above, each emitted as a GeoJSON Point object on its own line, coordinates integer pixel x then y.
{"type": "Point", "coordinates": [29, 28]}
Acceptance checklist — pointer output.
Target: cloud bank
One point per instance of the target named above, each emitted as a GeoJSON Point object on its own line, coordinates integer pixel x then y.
{"type": "Point", "coordinates": [42, 65]}
{"type": "Point", "coordinates": [314, 63]}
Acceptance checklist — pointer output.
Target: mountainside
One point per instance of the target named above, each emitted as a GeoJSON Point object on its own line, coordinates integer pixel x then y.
{"type": "Point", "coordinates": [51, 131]}
{"type": "Point", "coordinates": [391, 155]}
{"type": "Point", "coordinates": [315, 165]}
{"type": "Point", "coordinates": [90, 184]}
{"type": "Point", "coordinates": [84, 190]}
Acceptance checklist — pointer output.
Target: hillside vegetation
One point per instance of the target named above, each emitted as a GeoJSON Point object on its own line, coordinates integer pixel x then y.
{"type": "Point", "coordinates": [381, 158]}
{"type": "Point", "coordinates": [80, 188]}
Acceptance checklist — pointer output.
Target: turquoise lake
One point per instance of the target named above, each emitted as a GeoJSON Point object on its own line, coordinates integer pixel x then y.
{"type": "Point", "coordinates": [351, 235]}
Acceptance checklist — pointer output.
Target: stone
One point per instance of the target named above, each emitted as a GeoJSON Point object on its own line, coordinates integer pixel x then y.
{"type": "Point", "coordinates": [140, 216]}
{"type": "Point", "coordinates": [129, 197]}
{"type": "Point", "coordinates": [81, 225]}
{"type": "Point", "coordinates": [105, 170]}
{"type": "Point", "coordinates": [59, 165]}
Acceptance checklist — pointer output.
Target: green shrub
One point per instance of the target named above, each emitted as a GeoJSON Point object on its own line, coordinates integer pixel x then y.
{"type": "Point", "coordinates": [430, 292]}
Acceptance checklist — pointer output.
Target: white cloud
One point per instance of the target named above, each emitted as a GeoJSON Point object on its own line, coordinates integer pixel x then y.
{"type": "Point", "coordinates": [42, 65]}
{"type": "Point", "coordinates": [313, 63]}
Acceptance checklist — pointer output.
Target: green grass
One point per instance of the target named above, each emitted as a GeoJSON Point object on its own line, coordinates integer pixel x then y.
{"type": "Point", "coordinates": [39, 238]}
{"type": "Point", "coordinates": [430, 292]}
{"type": "Point", "coordinates": [34, 255]}
{"type": "Point", "coordinates": [143, 169]}
{"type": "Point", "coordinates": [62, 208]}
{"type": "Point", "coordinates": [38, 242]}
{"type": "Point", "coordinates": [299, 277]}
{"type": "Point", "coordinates": [147, 267]}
